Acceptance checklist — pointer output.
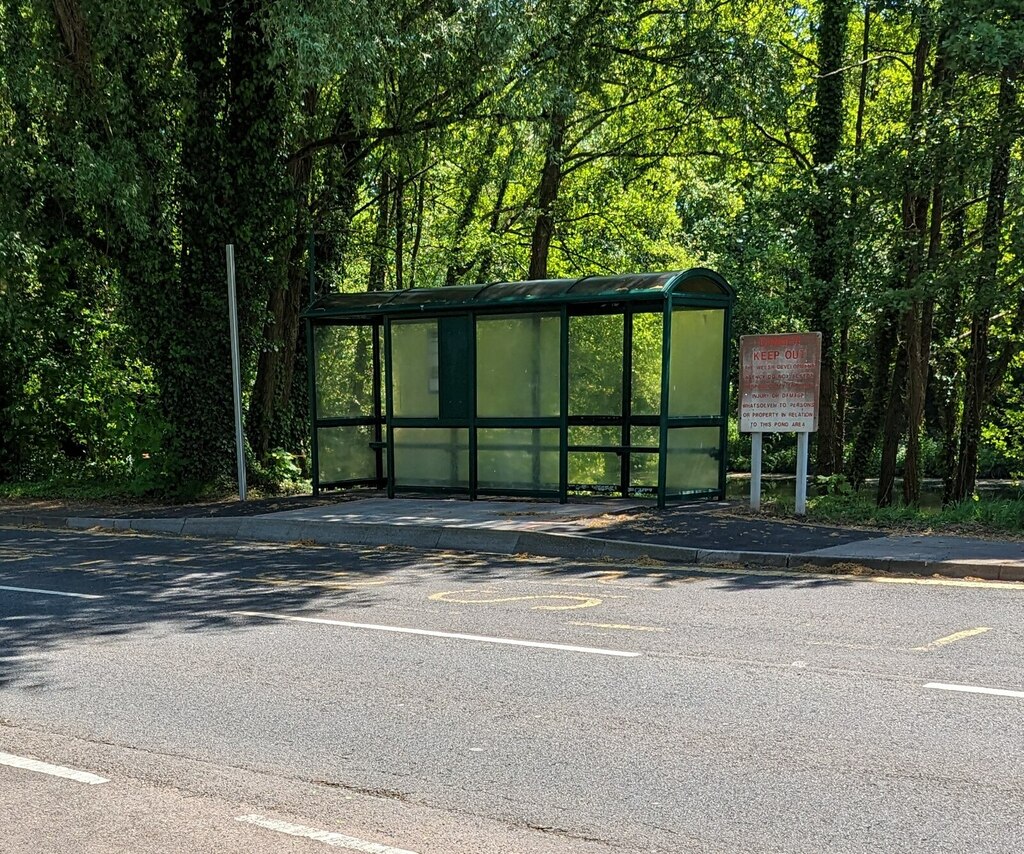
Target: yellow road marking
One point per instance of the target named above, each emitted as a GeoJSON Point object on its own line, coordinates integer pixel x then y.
{"type": "Point", "coordinates": [578, 601]}
{"type": "Point", "coordinates": [667, 578]}
{"type": "Point", "coordinates": [953, 638]}
{"type": "Point", "coordinates": [622, 626]}
{"type": "Point", "coordinates": [951, 582]}
{"type": "Point", "coordinates": [586, 583]}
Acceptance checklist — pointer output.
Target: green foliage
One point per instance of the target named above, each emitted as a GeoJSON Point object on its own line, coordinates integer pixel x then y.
{"type": "Point", "coordinates": [833, 484]}
{"type": "Point", "coordinates": [411, 138]}
{"type": "Point", "coordinates": [974, 516]}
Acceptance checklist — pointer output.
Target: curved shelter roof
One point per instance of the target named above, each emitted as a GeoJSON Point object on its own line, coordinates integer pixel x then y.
{"type": "Point", "coordinates": [644, 287]}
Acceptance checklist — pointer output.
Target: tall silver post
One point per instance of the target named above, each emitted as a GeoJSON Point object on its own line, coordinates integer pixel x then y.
{"type": "Point", "coordinates": [801, 473]}
{"type": "Point", "coordinates": [236, 377]}
{"type": "Point", "coordinates": [755, 471]}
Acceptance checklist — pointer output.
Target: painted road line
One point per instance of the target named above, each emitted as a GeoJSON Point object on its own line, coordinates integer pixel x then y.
{"type": "Point", "coordinates": [453, 635]}
{"type": "Point", "coordinates": [337, 840]}
{"type": "Point", "coordinates": [684, 574]}
{"type": "Point", "coordinates": [51, 592]}
{"type": "Point", "coordinates": [618, 626]}
{"type": "Point", "coordinates": [471, 597]}
{"type": "Point", "coordinates": [975, 689]}
{"type": "Point", "coordinates": [953, 638]}
{"type": "Point", "coordinates": [52, 770]}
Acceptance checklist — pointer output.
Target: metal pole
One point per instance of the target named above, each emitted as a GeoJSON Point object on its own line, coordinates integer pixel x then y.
{"type": "Point", "coordinates": [755, 471]}
{"type": "Point", "coordinates": [801, 473]}
{"type": "Point", "coordinates": [236, 379]}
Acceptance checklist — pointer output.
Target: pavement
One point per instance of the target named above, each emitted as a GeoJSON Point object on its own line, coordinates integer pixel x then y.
{"type": "Point", "coordinates": [271, 697]}
{"type": "Point", "coordinates": [714, 534]}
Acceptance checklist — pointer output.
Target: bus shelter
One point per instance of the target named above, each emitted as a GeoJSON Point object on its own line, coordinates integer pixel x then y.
{"type": "Point", "coordinates": [600, 385]}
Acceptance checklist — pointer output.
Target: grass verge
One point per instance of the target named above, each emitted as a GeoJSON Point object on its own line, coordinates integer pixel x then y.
{"type": "Point", "coordinates": [975, 517]}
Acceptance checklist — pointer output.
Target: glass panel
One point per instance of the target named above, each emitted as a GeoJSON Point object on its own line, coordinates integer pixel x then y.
{"type": "Point", "coordinates": [435, 296]}
{"type": "Point", "coordinates": [354, 302]}
{"type": "Point", "coordinates": [614, 285]}
{"type": "Point", "coordinates": [594, 468]}
{"type": "Point", "coordinates": [431, 456]}
{"type": "Point", "coordinates": [588, 435]}
{"type": "Point", "coordinates": [643, 470]}
{"type": "Point", "coordinates": [525, 291]}
{"type": "Point", "coordinates": [344, 453]}
{"type": "Point", "coordinates": [692, 459]}
{"type": "Point", "coordinates": [647, 437]}
{"type": "Point", "coordinates": [695, 373]}
{"type": "Point", "coordinates": [344, 370]}
{"type": "Point", "coordinates": [414, 368]}
{"type": "Point", "coordinates": [517, 459]}
{"type": "Point", "coordinates": [595, 364]}
{"type": "Point", "coordinates": [517, 365]}
{"type": "Point", "coordinates": [699, 285]}
{"type": "Point", "coordinates": [647, 330]}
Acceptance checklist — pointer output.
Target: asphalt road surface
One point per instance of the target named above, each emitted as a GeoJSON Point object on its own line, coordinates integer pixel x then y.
{"type": "Point", "coordinates": [162, 694]}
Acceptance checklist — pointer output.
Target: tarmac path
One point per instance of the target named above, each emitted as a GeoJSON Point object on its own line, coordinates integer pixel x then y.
{"type": "Point", "coordinates": [188, 695]}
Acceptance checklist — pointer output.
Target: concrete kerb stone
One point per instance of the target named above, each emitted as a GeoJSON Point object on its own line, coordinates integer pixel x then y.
{"type": "Point", "coordinates": [1011, 572]}
{"type": "Point", "coordinates": [560, 545]}
{"type": "Point", "coordinates": [227, 528]}
{"type": "Point", "coordinates": [777, 560]}
{"type": "Point", "coordinates": [500, 541]}
{"type": "Point", "coordinates": [719, 557]}
{"type": "Point", "coordinates": [84, 523]}
{"type": "Point", "coordinates": [879, 564]}
{"type": "Point", "coordinates": [156, 526]}
{"type": "Point", "coordinates": [495, 540]}
{"type": "Point", "coordinates": [626, 550]}
{"type": "Point", "coordinates": [956, 569]}
{"type": "Point", "coordinates": [27, 520]}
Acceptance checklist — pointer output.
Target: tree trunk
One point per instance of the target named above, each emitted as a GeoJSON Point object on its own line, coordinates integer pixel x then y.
{"type": "Point", "coordinates": [547, 195]}
{"type": "Point", "coordinates": [915, 218]}
{"type": "Point", "coordinates": [843, 382]}
{"type": "Point", "coordinates": [949, 364]}
{"type": "Point", "coordinates": [895, 418]}
{"type": "Point", "coordinates": [400, 232]}
{"type": "Point", "coordinates": [977, 387]}
{"type": "Point", "coordinates": [457, 265]}
{"type": "Point", "coordinates": [283, 308]}
{"type": "Point", "coordinates": [487, 261]}
{"type": "Point", "coordinates": [196, 380]}
{"type": "Point", "coordinates": [826, 215]}
{"type": "Point", "coordinates": [379, 257]}
{"type": "Point", "coordinates": [884, 346]}
{"type": "Point", "coordinates": [417, 234]}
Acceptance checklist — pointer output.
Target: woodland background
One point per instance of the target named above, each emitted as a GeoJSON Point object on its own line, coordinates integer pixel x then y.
{"type": "Point", "coordinates": [851, 167]}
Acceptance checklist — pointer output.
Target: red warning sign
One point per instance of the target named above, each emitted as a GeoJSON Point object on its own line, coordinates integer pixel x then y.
{"type": "Point", "coordinates": [779, 382]}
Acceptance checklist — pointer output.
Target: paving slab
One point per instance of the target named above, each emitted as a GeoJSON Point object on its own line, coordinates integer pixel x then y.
{"type": "Point", "coordinates": [931, 549]}
{"type": "Point", "coordinates": [455, 513]}
{"type": "Point", "coordinates": [713, 533]}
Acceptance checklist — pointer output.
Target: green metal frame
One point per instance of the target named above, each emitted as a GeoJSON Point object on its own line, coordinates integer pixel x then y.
{"type": "Point", "coordinates": [566, 306]}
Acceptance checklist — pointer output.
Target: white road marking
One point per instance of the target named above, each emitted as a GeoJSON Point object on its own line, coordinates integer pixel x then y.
{"type": "Point", "coordinates": [948, 639]}
{"type": "Point", "coordinates": [622, 626]}
{"type": "Point", "coordinates": [975, 689]}
{"type": "Point", "coordinates": [51, 592]}
{"type": "Point", "coordinates": [52, 770]}
{"type": "Point", "coordinates": [337, 840]}
{"type": "Point", "coordinates": [454, 635]}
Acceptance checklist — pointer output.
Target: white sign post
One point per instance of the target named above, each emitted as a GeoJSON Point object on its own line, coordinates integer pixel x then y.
{"type": "Point", "coordinates": [779, 381]}
{"type": "Point", "coordinates": [236, 380]}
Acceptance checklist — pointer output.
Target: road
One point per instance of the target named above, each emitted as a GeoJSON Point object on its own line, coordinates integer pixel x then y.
{"type": "Point", "coordinates": [246, 697]}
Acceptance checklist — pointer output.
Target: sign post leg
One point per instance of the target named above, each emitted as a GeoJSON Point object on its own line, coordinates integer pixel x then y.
{"type": "Point", "coordinates": [236, 382]}
{"type": "Point", "coordinates": [801, 473]}
{"type": "Point", "coordinates": [755, 471]}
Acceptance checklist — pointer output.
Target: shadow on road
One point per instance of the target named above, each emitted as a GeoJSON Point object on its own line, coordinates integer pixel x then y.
{"type": "Point", "coordinates": [145, 583]}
